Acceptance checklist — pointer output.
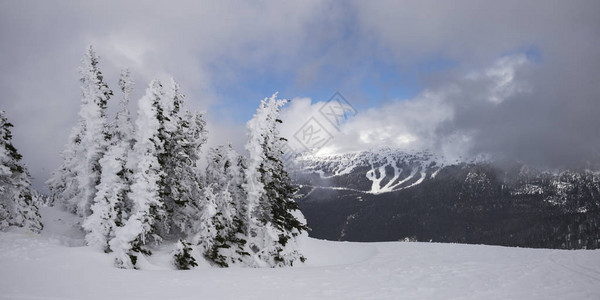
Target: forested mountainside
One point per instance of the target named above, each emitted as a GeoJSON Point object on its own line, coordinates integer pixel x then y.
{"type": "Point", "coordinates": [391, 195]}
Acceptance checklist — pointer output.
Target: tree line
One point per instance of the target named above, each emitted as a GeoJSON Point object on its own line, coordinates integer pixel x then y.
{"type": "Point", "coordinates": [138, 184]}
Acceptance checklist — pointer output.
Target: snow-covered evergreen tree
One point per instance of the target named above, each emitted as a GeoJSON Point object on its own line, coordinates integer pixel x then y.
{"type": "Point", "coordinates": [224, 174]}
{"type": "Point", "coordinates": [110, 203]}
{"type": "Point", "coordinates": [273, 225]}
{"type": "Point", "coordinates": [95, 140]}
{"type": "Point", "coordinates": [203, 230]}
{"type": "Point", "coordinates": [124, 127]}
{"type": "Point", "coordinates": [64, 183]}
{"type": "Point", "coordinates": [74, 183]}
{"type": "Point", "coordinates": [148, 209]}
{"type": "Point", "coordinates": [17, 207]}
{"type": "Point", "coordinates": [183, 135]}
{"type": "Point", "coordinates": [182, 258]}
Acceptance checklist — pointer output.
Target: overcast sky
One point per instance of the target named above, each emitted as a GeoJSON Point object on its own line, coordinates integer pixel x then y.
{"type": "Point", "coordinates": [508, 79]}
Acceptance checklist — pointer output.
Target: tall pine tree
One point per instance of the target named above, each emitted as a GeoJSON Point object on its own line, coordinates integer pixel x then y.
{"type": "Point", "coordinates": [109, 209]}
{"type": "Point", "coordinates": [182, 135]}
{"type": "Point", "coordinates": [17, 207]}
{"type": "Point", "coordinates": [64, 184]}
{"type": "Point", "coordinates": [224, 175]}
{"type": "Point", "coordinates": [273, 216]}
{"type": "Point", "coordinates": [74, 183]}
{"type": "Point", "coordinates": [148, 209]}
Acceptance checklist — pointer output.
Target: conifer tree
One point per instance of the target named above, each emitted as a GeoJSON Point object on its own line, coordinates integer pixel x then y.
{"type": "Point", "coordinates": [64, 184]}
{"type": "Point", "coordinates": [183, 135]}
{"type": "Point", "coordinates": [17, 207]}
{"type": "Point", "coordinates": [224, 174]}
{"type": "Point", "coordinates": [148, 209]}
{"type": "Point", "coordinates": [186, 182]}
{"type": "Point", "coordinates": [95, 140]}
{"type": "Point", "coordinates": [182, 258]}
{"type": "Point", "coordinates": [273, 226]}
{"type": "Point", "coordinates": [109, 209]}
{"type": "Point", "coordinates": [74, 183]}
{"type": "Point", "coordinates": [203, 230]}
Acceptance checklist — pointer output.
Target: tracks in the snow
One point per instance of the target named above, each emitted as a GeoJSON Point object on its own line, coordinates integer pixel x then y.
{"type": "Point", "coordinates": [575, 267]}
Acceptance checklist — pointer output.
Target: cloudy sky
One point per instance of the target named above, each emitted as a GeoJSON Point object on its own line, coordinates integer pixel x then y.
{"type": "Point", "coordinates": [506, 79]}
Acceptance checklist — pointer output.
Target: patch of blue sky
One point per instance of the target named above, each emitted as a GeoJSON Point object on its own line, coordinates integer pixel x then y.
{"type": "Point", "coordinates": [532, 52]}
{"type": "Point", "coordinates": [391, 82]}
{"type": "Point", "coordinates": [374, 82]}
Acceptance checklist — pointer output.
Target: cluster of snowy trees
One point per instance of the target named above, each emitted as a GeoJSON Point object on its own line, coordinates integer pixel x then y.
{"type": "Point", "coordinates": [139, 184]}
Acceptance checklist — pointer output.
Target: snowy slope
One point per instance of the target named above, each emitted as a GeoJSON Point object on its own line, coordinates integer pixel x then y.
{"type": "Point", "coordinates": [385, 169]}
{"type": "Point", "coordinates": [45, 267]}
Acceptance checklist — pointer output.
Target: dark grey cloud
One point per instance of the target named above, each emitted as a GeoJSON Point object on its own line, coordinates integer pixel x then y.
{"type": "Point", "coordinates": [555, 124]}
{"type": "Point", "coordinates": [550, 120]}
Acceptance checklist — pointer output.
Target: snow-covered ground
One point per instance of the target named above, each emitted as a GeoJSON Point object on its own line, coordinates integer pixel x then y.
{"type": "Point", "coordinates": [54, 265]}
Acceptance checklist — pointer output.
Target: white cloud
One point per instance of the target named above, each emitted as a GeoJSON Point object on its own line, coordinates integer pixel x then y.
{"type": "Point", "coordinates": [414, 124]}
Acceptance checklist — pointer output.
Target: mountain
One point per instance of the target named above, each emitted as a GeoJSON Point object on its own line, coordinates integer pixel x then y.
{"type": "Point", "coordinates": [390, 195]}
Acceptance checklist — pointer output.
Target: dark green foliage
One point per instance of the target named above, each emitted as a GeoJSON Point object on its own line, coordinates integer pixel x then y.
{"type": "Point", "coordinates": [138, 248]}
{"type": "Point", "coordinates": [17, 207]}
{"type": "Point", "coordinates": [220, 242]}
{"type": "Point", "coordinates": [182, 259]}
{"type": "Point", "coordinates": [106, 91]}
{"type": "Point", "coordinates": [227, 239]}
{"type": "Point", "coordinates": [7, 143]}
{"type": "Point", "coordinates": [181, 136]}
{"type": "Point", "coordinates": [281, 193]}
{"type": "Point", "coordinates": [224, 178]}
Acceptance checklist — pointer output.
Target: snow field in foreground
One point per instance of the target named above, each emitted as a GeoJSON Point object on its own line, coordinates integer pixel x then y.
{"type": "Point", "coordinates": [54, 265]}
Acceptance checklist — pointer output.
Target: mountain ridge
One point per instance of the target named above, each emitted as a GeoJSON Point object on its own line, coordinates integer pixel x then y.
{"type": "Point", "coordinates": [392, 195]}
